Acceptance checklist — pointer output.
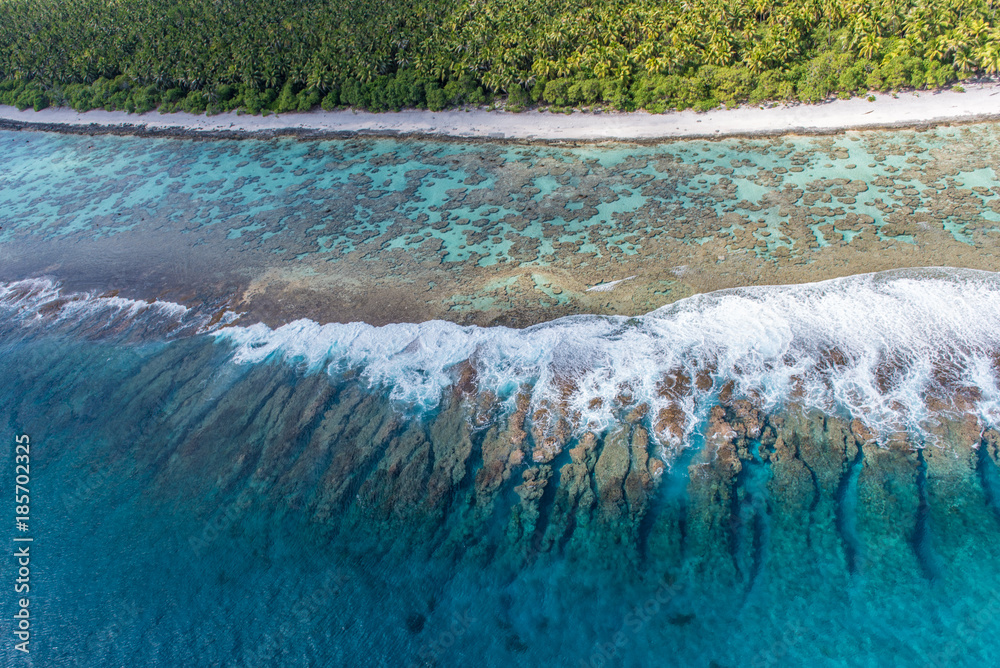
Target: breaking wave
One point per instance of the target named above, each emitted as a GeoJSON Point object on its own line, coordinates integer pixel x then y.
{"type": "Point", "coordinates": [892, 349]}
{"type": "Point", "coordinates": [895, 350]}
{"type": "Point", "coordinates": [40, 305]}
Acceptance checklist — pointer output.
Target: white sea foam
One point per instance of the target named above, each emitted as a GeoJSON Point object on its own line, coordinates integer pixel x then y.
{"type": "Point", "coordinates": [609, 285]}
{"type": "Point", "coordinates": [874, 345]}
{"type": "Point", "coordinates": [42, 304]}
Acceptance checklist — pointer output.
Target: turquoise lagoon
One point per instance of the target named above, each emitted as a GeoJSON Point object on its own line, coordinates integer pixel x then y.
{"type": "Point", "coordinates": [485, 233]}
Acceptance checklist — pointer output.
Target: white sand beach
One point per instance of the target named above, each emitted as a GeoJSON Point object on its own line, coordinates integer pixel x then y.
{"type": "Point", "coordinates": [979, 101]}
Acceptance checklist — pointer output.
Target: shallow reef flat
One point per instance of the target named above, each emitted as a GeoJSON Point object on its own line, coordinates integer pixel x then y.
{"type": "Point", "coordinates": [381, 231]}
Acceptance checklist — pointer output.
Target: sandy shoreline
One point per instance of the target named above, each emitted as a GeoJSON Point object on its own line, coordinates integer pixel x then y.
{"type": "Point", "coordinates": [980, 101]}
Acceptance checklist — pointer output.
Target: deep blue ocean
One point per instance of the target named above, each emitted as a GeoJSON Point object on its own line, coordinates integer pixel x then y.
{"type": "Point", "coordinates": [759, 476]}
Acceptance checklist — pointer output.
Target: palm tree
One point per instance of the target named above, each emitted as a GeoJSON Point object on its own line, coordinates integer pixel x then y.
{"type": "Point", "coordinates": [988, 57]}
{"type": "Point", "coordinates": [870, 45]}
{"type": "Point", "coordinates": [964, 61]}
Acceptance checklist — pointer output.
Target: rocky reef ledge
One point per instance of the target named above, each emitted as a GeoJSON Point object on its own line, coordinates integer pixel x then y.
{"type": "Point", "coordinates": [747, 493]}
{"type": "Point", "coordinates": [767, 536]}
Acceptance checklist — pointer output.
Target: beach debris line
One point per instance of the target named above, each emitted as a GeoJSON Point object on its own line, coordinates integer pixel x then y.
{"type": "Point", "coordinates": [609, 285]}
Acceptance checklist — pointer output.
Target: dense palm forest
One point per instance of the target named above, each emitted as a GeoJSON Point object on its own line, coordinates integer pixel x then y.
{"type": "Point", "coordinates": [283, 55]}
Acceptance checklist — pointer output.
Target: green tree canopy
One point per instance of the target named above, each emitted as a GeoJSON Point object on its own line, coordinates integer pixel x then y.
{"type": "Point", "coordinates": [280, 55]}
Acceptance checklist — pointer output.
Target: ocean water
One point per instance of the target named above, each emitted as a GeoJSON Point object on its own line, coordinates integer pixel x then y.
{"type": "Point", "coordinates": [764, 476]}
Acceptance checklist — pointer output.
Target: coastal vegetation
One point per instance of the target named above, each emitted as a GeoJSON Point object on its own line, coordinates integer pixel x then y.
{"type": "Point", "coordinates": [266, 56]}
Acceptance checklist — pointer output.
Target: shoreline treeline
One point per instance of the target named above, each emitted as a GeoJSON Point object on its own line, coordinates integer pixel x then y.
{"type": "Point", "coordinates": [287, 55]}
